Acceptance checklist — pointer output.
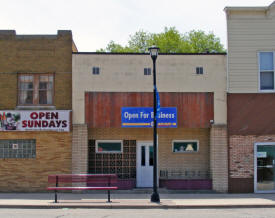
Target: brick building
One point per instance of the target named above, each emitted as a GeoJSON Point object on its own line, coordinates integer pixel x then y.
{"type": "Point", "coordinates": [35, 107]}
{"type": "Point", "coordinates": [106, 87]}
{"type": "Point", "coordinates": [251, 98]}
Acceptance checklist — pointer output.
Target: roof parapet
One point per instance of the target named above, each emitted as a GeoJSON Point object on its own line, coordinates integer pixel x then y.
{"type": "Point", "coordinates": [241, 8]}
{"type": "Point", "coordinates": [5, 34]}
{"type": "Point", "coordinates": [11, 34]}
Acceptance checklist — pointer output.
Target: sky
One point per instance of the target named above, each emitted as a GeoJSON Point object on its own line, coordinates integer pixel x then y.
{"type": "Point", "coordinates": [94, 23]}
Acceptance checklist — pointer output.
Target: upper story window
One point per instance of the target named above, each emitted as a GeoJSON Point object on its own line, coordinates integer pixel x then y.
{"type": "Point", "coordinates": [96, 70]}
{"type": "Point", "coordinates": [266, 76]}
{"type": "Point", "coordinates": [147, 71]}
{"type": "Point", "coordinates": [199, 70]}
{"type": "Point", "coordinates": [35, 89]}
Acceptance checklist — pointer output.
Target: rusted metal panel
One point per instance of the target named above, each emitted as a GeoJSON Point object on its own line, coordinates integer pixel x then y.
{"type": "Point", "coordinates": [103, 109]}
{"type": "Point", "coordinates": [251, 114]}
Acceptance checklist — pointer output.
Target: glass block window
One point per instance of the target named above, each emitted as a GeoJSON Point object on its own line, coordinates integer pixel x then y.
{"type": "Point", "coordinates": [17, 148]}
{"type": "Point", "coordinates": [109, 146]}
{"type": "Point", "coordinates": [122, 164]}
{"type": "Point", "coordinates": [185, 146]}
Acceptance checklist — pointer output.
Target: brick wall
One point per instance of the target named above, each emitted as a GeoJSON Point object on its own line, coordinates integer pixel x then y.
{"type": "Point", "coordinates": [167, 159]}
{"type": "Point", "coordinates": [80, 149]}
{"type": "Point", "coordinates": [35, 54]}
{"type": "Point", "coordinates": [219, 157]}
{"type": "Point", "coordinates": [241, 150]}
{"type": "Point", "coordinates": [63, 91]}
{"type": "Point", "coordinates": [8, 90]}
{"type": "Point", "coordinates": [53, 155]}
{"type": "Point", "coordinates": [241, 162]}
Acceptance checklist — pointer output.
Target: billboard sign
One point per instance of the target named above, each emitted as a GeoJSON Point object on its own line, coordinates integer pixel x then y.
{"type": "Point", "coordinates": [35, 121]}
{"type": "Point", "coordinates": [144, 117]}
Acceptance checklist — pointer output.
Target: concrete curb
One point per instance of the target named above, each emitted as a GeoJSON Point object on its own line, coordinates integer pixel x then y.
{"type": "Point", "coordinates": [157, 206]}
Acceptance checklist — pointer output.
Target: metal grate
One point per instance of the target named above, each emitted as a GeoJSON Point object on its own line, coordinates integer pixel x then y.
{"type": "Point", "coordinates": [184, 174]}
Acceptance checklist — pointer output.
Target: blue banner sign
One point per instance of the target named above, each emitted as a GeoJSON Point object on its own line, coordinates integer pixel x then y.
{"type": "Point", "coordinates": [144, 117]}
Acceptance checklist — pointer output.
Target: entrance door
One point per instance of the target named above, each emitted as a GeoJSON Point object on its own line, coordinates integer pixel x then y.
{"type": "Point", "coordinates": [264, 167]}
{"type": "Point", "coordinates": [145, 164]}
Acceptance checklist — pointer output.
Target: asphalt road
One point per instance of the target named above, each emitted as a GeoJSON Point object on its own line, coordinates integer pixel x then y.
{"type": "Point", "coordinates": [138, 213]}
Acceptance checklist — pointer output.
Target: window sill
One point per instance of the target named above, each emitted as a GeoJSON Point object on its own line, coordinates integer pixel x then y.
{"type": "Point", "coordinates": [38, 107]}
{"type": "Point", "coordinates": [267, 91]}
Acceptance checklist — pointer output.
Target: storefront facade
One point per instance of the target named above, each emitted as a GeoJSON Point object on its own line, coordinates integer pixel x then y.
{"type": "Point", "coordinates": [35, 109]}
{"type": "Point", "coordinates": [251, 102]}
{"type": "Point", "coordinates": [107, 87]}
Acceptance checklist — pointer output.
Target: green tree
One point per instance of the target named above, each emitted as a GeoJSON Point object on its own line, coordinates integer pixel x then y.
{"type": "Point", "coordinates": [169, 41]}
{"type": "Point", "coordinates": [140, 41]}
{"type": "Point", "coordinates": [199, 42]}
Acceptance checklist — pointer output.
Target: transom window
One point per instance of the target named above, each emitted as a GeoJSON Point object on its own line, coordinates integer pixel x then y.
{"type": "Point", "coordinates": [109, 146]}
{"type": "Point", "coordinates": [185, 146]}
{"type": "Point", "coordinates": [266, 77]}
{"type": "Point", "coordinates": [35, 89]}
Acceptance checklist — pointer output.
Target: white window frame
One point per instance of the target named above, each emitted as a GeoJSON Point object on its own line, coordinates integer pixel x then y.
{"type": "Point", "coordinates": [256, 144]}
{"type": "Point", "coordinates": [186, 152]}
{"type": "Point", "coordinates": [109, 141]}
{"type": "Point", "coordinates": [259, 73]}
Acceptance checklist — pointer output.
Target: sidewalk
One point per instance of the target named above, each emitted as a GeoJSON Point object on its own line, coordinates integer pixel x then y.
{"type": "Point", "coordinates": [134, 201]}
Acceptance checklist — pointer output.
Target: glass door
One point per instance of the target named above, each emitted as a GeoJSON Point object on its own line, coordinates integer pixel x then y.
{"type": "Point", "coordinates": [265, 167]}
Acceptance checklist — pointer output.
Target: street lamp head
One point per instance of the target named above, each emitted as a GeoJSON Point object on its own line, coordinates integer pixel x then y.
{"type": "Point", "coordinates": [154, 52]}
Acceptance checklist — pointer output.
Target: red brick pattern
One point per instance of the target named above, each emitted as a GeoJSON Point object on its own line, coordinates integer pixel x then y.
{"type": "Point", "coordinates": [241, 153]}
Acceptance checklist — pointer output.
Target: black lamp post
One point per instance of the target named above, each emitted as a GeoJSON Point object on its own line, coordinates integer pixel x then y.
{"type": "Point", "coordinates": [155, 195]}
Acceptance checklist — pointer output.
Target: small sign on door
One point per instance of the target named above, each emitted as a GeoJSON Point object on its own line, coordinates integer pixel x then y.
{"type": "Point", "coordinates": [261, 154]}
{"type": "Point", "coordinates": [15, 146]}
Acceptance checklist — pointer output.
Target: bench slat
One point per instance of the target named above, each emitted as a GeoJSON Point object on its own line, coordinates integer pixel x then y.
{"type": "Point", "coordinates": [93, 182]}
{"type": "Point", "coordinates": [82, 188]}
{"type": "Point", "coordinates": [87, 178]}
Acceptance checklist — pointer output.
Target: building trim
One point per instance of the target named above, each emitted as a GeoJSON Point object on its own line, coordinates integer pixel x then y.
{"type": "Point", "coordinates": [128, 53]}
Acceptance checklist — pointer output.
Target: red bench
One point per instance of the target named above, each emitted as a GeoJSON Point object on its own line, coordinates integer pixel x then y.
{"type": "Point", "coordinates": [92, 182]}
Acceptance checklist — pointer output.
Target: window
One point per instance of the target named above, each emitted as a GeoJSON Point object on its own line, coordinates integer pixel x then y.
{"type": "Point", "coordinates": [96, 71]}
{"type": "Point", "coordinates": [35, 89]}
{"type": "Point", "coordinates": [185, 146]}
{"type": "Point", "coordinates": [266, 60]}
{"type": "Point", "coordinates": [147, 71]}
{"type": "Point", "coordinates": [109, 146]}
{"type": "Point", "coordinates": [199, 70]}
{"type": "Point", "coordinates": [18, 148]}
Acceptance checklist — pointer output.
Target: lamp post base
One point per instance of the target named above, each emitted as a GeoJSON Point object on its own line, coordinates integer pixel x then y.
{"type": "Point", "coordinates": [155, 197]}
